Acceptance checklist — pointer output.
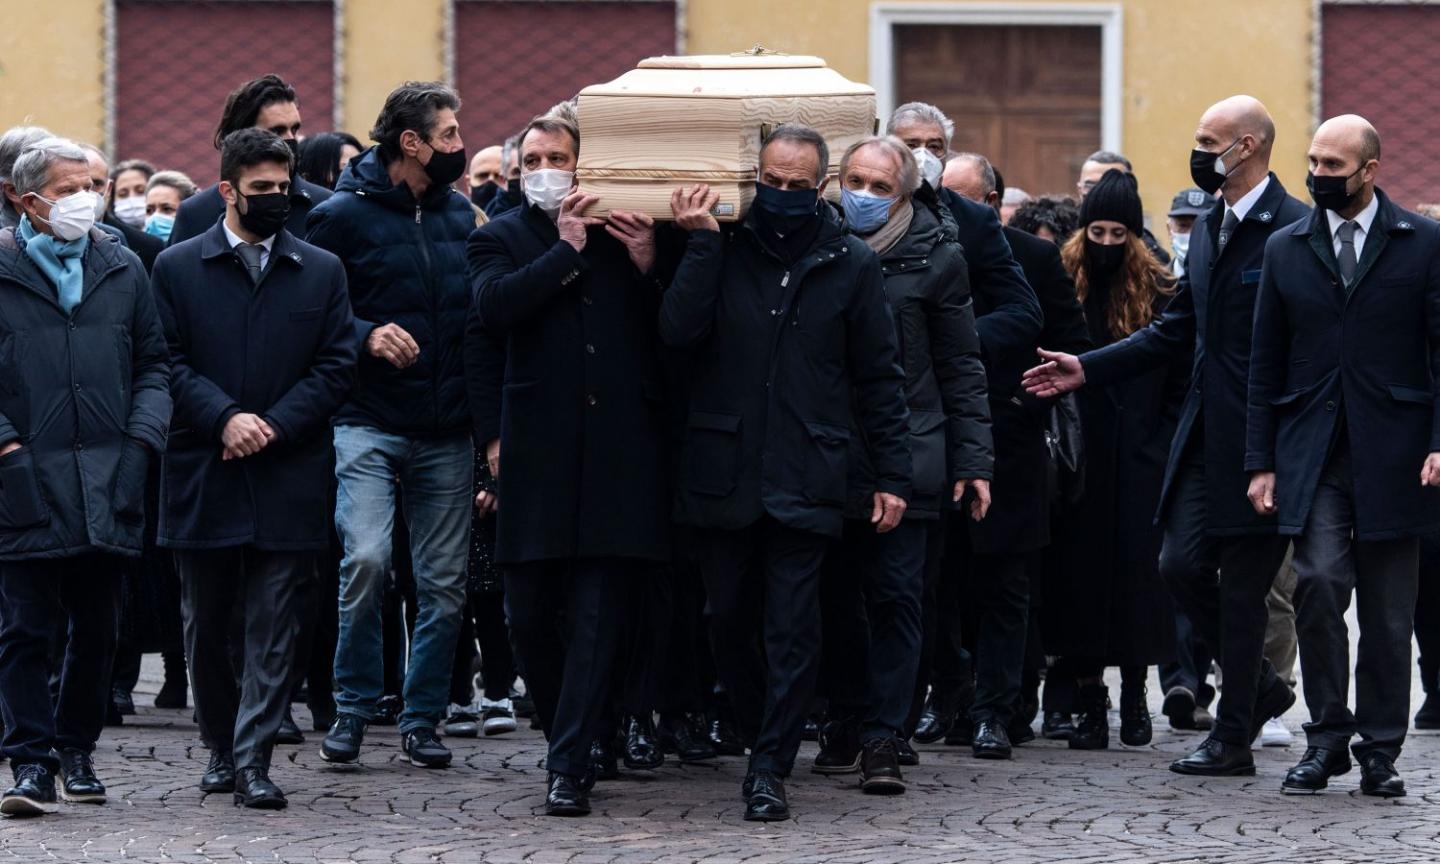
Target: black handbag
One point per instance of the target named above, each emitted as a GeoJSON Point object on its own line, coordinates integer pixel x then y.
{"type": "Point", "coordinates": [1065, 442]}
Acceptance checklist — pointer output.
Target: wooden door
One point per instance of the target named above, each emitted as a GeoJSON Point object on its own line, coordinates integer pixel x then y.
{"type": "Point", "coordinates": [1027, 97]}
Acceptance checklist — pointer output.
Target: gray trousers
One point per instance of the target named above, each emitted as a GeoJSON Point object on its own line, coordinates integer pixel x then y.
{"type": "Point", "coordinates": [1383, 575]}
{"type": "Point", "coordinates": [265, 586]}
{"type": "Point", "coordinates": [1281, 648]}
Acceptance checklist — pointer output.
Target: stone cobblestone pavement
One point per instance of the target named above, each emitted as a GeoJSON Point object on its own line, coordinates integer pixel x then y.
{"type": "Point", "coordinates": [1048, 804]}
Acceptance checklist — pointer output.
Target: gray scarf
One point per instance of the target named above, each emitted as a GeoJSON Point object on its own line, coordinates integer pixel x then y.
{"type": "Point", "coordinates": [884, 238]}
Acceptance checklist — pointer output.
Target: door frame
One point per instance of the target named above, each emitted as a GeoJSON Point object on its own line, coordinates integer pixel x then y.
{"type": "Point", "coordinates": [1109, 17]}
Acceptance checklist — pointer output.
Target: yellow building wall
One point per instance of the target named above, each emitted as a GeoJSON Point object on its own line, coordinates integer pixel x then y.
{"type": "Point", "coordinates": [1179, 58]}
{"type": "Point", "coordinates": [52, 66]}
{"type": "Point", "coordinates": [385, 47]}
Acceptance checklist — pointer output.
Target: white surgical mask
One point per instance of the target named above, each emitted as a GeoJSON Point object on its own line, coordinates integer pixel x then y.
{"type": "Point", "coordinates": [547, 187]}
{"type": "Point", "coordinates": [71, 217]}
{"type": "Point", "coordinates": [931, 168]}
{"type": "Point", "coordinates": [1181, 244]}
{"type": "Point", "coordinates": [131, 211]}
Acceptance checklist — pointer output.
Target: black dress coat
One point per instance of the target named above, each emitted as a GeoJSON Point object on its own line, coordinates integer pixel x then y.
{"type": "Point", "coordinates": [1208, 324]}
{"type": "Point", "coordinates": [87, 395]}
{"type": "Point", "coordinates": [1369, 355]}
{"type": "Point", "coordinates": [582, 423]}
{"type": "Point", "coordinates": [1108, 602]}
{"type": "Point", "coordinates": [203, 210]}
{"type": "Point", "coordinates": [776, 347]}
{"type": "Point", "coordinates": [928, 289]}
{"type": "Point", "coordinates": [147, 246]}
{"type": "Point", "coordinates": [284, 350]}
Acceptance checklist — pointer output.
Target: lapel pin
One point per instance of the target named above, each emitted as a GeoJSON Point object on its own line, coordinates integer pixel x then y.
{"type": "Point", "coordinates": [1265, 217]}
{"type": "Point", "coordinates": [1405, 225]}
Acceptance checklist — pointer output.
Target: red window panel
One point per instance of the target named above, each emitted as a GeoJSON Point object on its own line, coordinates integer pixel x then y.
{"type": "Point", "coordinates": [1381, 62]}
{"type": "Point", "coordinates": [176, 63]}
{"type": "Point", "coordinates": [513, 60]}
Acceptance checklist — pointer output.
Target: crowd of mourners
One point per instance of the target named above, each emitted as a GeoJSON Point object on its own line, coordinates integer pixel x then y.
{"type": "Point", "coordinates": [868, 467]}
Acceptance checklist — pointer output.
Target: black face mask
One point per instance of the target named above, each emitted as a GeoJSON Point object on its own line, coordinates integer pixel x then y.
{"type": "Point", "coordinates": [1332, 192]}
{"type": "Point", "coordinates": [482, 194]}
{"type": "Point", "coordinates": [444, 168]}
{"type": "Point", "coordinates": [1202, 168]}
{"type": "Point", "coordinates": [264, 215]}
{"type": "Point", "coordinates": [785, 210]}
{"type": "Point", "coordinates": [514, 189]}
{"type": "Point", "coordinates": [1103, 259]}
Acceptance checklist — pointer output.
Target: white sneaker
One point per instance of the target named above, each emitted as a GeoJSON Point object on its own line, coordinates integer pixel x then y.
{"type": "Point", "coordinates": [499, 716]}
{"type": "Point", "coordinates": [1275, 734]}
{"type": "Point", "coordinates": [462, 721]}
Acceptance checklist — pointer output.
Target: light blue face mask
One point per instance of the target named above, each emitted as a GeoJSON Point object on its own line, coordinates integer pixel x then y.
{"type": "Point", "coordinates": [159, 225]}
{"type": "Point", "coordinates": [865, 211]}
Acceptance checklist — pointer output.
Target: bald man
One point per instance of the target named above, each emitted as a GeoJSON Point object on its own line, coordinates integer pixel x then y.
{"type": "Point", "coordinates": [1344, 445]}
{"type": "Point", "coordinates": [484, 176]}
{"type": "Point", "coordinates": [1218, 557]}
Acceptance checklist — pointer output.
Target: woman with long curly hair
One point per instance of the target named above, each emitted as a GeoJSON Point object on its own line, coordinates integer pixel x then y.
{"type": "Point", "coordinates": [1109, 607]}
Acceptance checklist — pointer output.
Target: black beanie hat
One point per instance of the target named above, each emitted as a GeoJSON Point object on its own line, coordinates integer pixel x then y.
{"type": "Point", "coordinates": [1116, 198]}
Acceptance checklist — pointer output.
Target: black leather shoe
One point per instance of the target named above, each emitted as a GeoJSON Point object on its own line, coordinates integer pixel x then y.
{"type": "Point", "coordinates": [172, 693]}
{"type": "Point", "coordinates": [684, 735]}
{"type": "Point", "coordinates": [962, 731]}
{"type": "Point", "coordinates": [123, 701]}
{"type": "Point", "coordinates": [33, 793]}
{"type": "Point", "coordinates": [1057, 726]}
{"type": "Point", "coordinates": [1020, 733]}
{"type": "Point", "coordinates": [906, 754]}
{"type": "Point", "coordinates": [642, 753]}
{"type": "Point", "coordinates": [1428, 717]}
{"type": "Point", "coordinates": [566, 796]}
{"type": "Point", "coordinates": [1272, 703]}
{"type": "Point", "coordinates": [1314, 771]}
{"type": "Point", "coordinates": [342, 742]}
{"type": "Point", "coordinates": [935, 720]}
{"type": "Point", "coordinates": [289, 731]}
{"type": "Point", "coordinates": [725, 739]}
{"type": "Point", "coordinates": [78, 783]}
{"type": "Point", "coordinates": [603, 761]}
{"type": "Point", "coordinates": [990, 741]}
{"type": "Point", "coordinates": [765, 802]}
{"type": "Point", "coordinates": [1378, 777]}
{"type": "Point", "coordinates": [1179, 706]}
{"type": "Point", "coordinates": [1217, 759]}
{"type": "Point", "coordinates": [253, 789]}
{"type": "Point", "coordinates": [839, 748]}
{"type": "Point", "coordinates": [1092, 732]}
{"type": "Point", "coordinates": [1135, 727]}
{"type": "Point", "coordinates": [811, 731]}
{"type": "Point", "coordinates": [219, 773]}
{"type": "Point", "coordinates": [880, 768]}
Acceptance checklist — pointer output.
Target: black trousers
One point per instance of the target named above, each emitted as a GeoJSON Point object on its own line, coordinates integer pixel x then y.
{"type": "Point", "coordinates": [266, 587]}
{"type": "Point", "coordinates": [1427, 615]}
{"type": "Point", "coordinates": [763, 584]}
{"type": "Point", "coordinates": [996, 588]}
{"type": "Point", "coordinates": [83, 594]}
{"type": "Point", "coordinates": [944, 662]}
{"type": "Point", "coordinates": [870, 607]}
{"type": "Point", "coordinates": [483, 623]}
{"type": "Point", "coordinates": [566, 619]}
{"type": "Point", "coordinates": [684, 681]}
{"type": "Point", "coordinates": [1330, 565]}
{"type": "Point", "coordinates": [1220, 583]}
{"type": "Point", "coordinates": [1192, 661]}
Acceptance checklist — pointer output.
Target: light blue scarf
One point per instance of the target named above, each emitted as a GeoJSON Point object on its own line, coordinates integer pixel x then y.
{"type": "Point", "coordinates": [62, 262]}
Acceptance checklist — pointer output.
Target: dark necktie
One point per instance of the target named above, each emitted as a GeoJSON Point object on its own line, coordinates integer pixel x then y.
{"type": "Point", "coordinates": [1346, 258]}
{"type": "Point", "coordinates": [1227, 227]}
{"type": "Point", "coordinates": [251, 256]}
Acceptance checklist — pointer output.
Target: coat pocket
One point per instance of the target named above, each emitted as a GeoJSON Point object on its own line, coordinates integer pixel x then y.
{"type": "Point", "coordinates": [825, 464]}
{"type": "Point", "coordinates": [927, 452]}
{"type": "Point", "coordinates": [21, 505]}
{"type": "Point", "coordinates": [307, 314]}
{"type": "Point", "coordinates": [712, 453]}
{"type": "Point", "coordinates": [1415, 395]}
{"type": "Point", "coordinates": [127, 490]}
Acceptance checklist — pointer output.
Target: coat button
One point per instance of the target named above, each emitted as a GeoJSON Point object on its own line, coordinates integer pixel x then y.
{"type": "Point", "coordinates": [72, 325]}
{"type": "Point", "coordinates": [591, 400]}
{"type": "Point", "coordinates": [589, 349]}
{"type": "Point", "coordinates": [587, 301]}
{"type": "Point", "coordinates": [1330, 406]}
{"type": "Point", "coordinates": [77, 388]}
{"type": "Point", "coordinates": [79, 446]}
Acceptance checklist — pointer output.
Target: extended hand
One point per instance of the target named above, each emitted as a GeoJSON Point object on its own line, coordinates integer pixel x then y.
{"type": "Point", "coordinates": [486, 503]}
{"type": "Point", "coordinates": [9, 447]}
{"type": "Point", "coordinates": [637, 232]}
{"type": "Point", "coordinates": [391, 342]}
{"type": "Point", "coordinates": [1430, 471]}
{"type": "Point", "coordinates": [492, 458]}
{"type": "Point", "coordinates": [1061, 374]}
{"type": "Point", "coordinates": [245, 435]}
{"type": "Point", "coordinates": [981, 505]}
{"type": "Point", "coordinates": [888, 510]}
{"type": "Point", "coordinates": [691, 206]}
{"type": "Point", "coordinates": [571, 224]}
{"type": "Point", "coordinates": [1262, 491]}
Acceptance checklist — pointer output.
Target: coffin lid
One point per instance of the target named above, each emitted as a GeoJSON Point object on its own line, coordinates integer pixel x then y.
{"type": "Point", "coordinates": [730, 76]}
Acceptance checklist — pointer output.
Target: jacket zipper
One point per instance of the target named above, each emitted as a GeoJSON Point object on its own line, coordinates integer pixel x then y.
{"type": "Point", "coordinates": [434, 313]}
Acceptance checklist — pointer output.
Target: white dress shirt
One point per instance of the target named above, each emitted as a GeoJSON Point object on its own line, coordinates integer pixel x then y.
{"type": "Point", "coordinates": [1363, 220]}
{"type": "Point", "coordinates": [234, 240]}
{"type": "Point", "coordinates": [1242, 207]}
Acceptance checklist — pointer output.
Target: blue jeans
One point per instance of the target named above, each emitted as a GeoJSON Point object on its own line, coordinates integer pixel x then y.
{"type": "Point", "coordinates": [371, 466]}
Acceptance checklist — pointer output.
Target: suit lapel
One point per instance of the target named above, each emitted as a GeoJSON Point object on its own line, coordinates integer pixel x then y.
{"type": "Point", "coordinates": [1321, 244]}
{"type": "Point", "coordinates": [1375, 240]}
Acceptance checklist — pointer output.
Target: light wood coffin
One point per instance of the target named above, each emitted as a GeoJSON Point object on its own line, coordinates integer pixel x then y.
{"type": "Point", "coordinates": [677, 121]}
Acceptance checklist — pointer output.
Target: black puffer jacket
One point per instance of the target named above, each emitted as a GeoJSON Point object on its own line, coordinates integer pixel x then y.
{"type": "Point", "coordinates": [405, 264]}
{"type": "Point", "coordinates": [928, 286]}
